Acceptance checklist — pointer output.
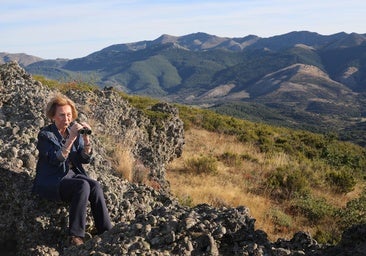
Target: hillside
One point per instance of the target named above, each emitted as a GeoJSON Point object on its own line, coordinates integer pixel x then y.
{"type": "Point", "coordinates": [220, 170]}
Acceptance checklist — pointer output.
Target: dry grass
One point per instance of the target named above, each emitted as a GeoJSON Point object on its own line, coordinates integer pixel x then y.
{"type": "Point", "coordinates": [124, 162]}
{"type": "Point", "coordinates": [233, 184]}
{"type": "Point", "coordinates": [119, 151]}
{"type": "Point", "coordinates": [237, 182]}
{"type": "Point", "coordinates": [339, 200]}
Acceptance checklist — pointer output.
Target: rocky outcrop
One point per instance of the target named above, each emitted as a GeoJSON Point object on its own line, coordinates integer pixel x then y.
{"type": "Point", "coordinates": [22, 114]}
{"type": "Point", "coordinates": [22, 103]}
{"type": "Point", "coordinates": [146, 221]}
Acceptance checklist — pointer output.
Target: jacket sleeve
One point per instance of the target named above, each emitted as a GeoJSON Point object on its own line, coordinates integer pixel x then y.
{"type": "Point", "coordinates": [77, 154]}
{"type": "Point", "coordinates": [49, 149]}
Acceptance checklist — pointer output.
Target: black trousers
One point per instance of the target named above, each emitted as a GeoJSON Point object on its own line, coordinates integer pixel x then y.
{"type": "Point", "coordinates": [78, 190]}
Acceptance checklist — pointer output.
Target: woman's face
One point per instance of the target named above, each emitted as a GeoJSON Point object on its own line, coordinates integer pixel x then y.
{"type": "Point", "coordinates": [62, 117]}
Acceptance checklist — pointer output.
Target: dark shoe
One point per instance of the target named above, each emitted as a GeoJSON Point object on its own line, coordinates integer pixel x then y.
{"type": "Point", "coordinates": [76, 240]}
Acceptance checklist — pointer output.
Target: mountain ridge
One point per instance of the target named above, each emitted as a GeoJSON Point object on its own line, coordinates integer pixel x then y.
{"type": "Point", "coordinates": [208, 71]}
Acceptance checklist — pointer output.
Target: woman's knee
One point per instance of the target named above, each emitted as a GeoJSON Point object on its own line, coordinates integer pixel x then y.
{"type": "Point", "coordinates": [83, 185]}
{"type": "Point", "coordinates": [94, 184]}
{"type": "Point", "coordinates": [96, 189]}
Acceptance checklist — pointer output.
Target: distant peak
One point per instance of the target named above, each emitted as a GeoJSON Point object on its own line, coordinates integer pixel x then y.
{"type": "Point", "coordinates": [165, 38]}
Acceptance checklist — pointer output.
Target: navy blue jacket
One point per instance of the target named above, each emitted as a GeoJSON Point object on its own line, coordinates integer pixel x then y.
{"type": "Point", "coordinates": [51, 168]}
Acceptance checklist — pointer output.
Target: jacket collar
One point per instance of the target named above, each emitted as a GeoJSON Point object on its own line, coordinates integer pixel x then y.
{"type": "Point", "coordinates": [55, 131]}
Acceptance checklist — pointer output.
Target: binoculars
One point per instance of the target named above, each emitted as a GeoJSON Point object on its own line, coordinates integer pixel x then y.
{"type": "Point", "coordinates": [85, 131]}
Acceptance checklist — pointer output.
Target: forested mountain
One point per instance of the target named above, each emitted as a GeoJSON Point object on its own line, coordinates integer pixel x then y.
{"type": "Point", "coordinates": [299, 79]}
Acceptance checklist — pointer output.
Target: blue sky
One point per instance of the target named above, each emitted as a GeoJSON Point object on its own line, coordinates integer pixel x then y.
{"type": "Point", "coordinates": [75, 28]}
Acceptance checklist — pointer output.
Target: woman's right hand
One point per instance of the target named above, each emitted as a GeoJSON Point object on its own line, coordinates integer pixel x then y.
{"type": "Point", "coordinates": [74, 130]}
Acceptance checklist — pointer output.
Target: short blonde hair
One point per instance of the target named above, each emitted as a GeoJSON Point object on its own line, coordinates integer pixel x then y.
{"type": "Point", "coordinates": [60, 100]}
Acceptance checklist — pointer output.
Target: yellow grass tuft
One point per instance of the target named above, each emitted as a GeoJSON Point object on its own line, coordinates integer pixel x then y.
{"type": "Point", "coordinates": [124, 162]}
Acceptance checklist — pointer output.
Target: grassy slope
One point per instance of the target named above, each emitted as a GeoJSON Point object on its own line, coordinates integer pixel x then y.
{"type": "Point", "coordinates": [240, 182]}
{"type": "Point", "coordinates": [291, 180]}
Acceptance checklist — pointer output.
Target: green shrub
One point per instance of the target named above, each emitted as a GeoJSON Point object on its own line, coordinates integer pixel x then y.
{"type": "Point", "coordinates": [186, 200]}
{"type": "Point", "coordinates": [344, 155]}
{"type": "Point", "coordinates": [354, 212]}
{"type": "Point", "coordinates": [202, 165]}
{"type": "Point", "coordinates": [284, 183]}
{"type": "Point", "coordinates": [265, 141]}
{"type": "Point", "coordinates": [230, 159]}
{"type": "Point", "coordinates": [139, 102]}
{"type": "Point", "coordinates": [280, 219]}
{"type": "Point", "coordinates": [246, 136]}
{"type": "Point", "coordinates": [314, 209]}
{"type": "Point", "coordinates": [327, 235]}
{"type": "Point", "coordinates": [342, 180]}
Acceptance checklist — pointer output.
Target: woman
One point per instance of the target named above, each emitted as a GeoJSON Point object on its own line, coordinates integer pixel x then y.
{"type": "Point", "coordinates": [63, 147]}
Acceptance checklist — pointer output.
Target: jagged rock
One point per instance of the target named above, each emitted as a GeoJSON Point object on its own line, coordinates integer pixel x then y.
{"type": "Point", "coordinates": [146, 221]}
{"type": "Point", "coordinates": [22, 103]}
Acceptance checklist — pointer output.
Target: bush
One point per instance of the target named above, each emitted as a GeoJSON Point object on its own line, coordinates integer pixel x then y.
{"type": "Point", "coordinates": [230, 159]}
{"type": "Point", "coordinates": [342, 180]}
{"type": "Point", "coordinates": [314, 209]}
{"type": "Point", "coordinates": [186, 200]}
{"type": "Point", "coordinates": [280, 220]}
{"type": "Point", "coordinates": [344, 155]}
{"type": "Point", "coordinates": [354, 212]}
{"type": "Point", "coordinates": [265, 142]}
{"type": "Point", "coordinates": [285, 183]}
{"type": "Point", "coordinates": [203, 164]}
{"type": "Point", "coordinates": [328, 235]}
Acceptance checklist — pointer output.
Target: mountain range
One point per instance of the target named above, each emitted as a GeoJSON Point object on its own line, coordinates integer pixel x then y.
{"type": "Point", "coordinates": [300, 79]}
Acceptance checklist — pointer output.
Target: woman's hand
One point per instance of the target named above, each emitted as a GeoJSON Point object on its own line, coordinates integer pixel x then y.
{"type": "Point", "coordinates": [74, 130]}
{"type": "Point", "coordinates": [73, 133]}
